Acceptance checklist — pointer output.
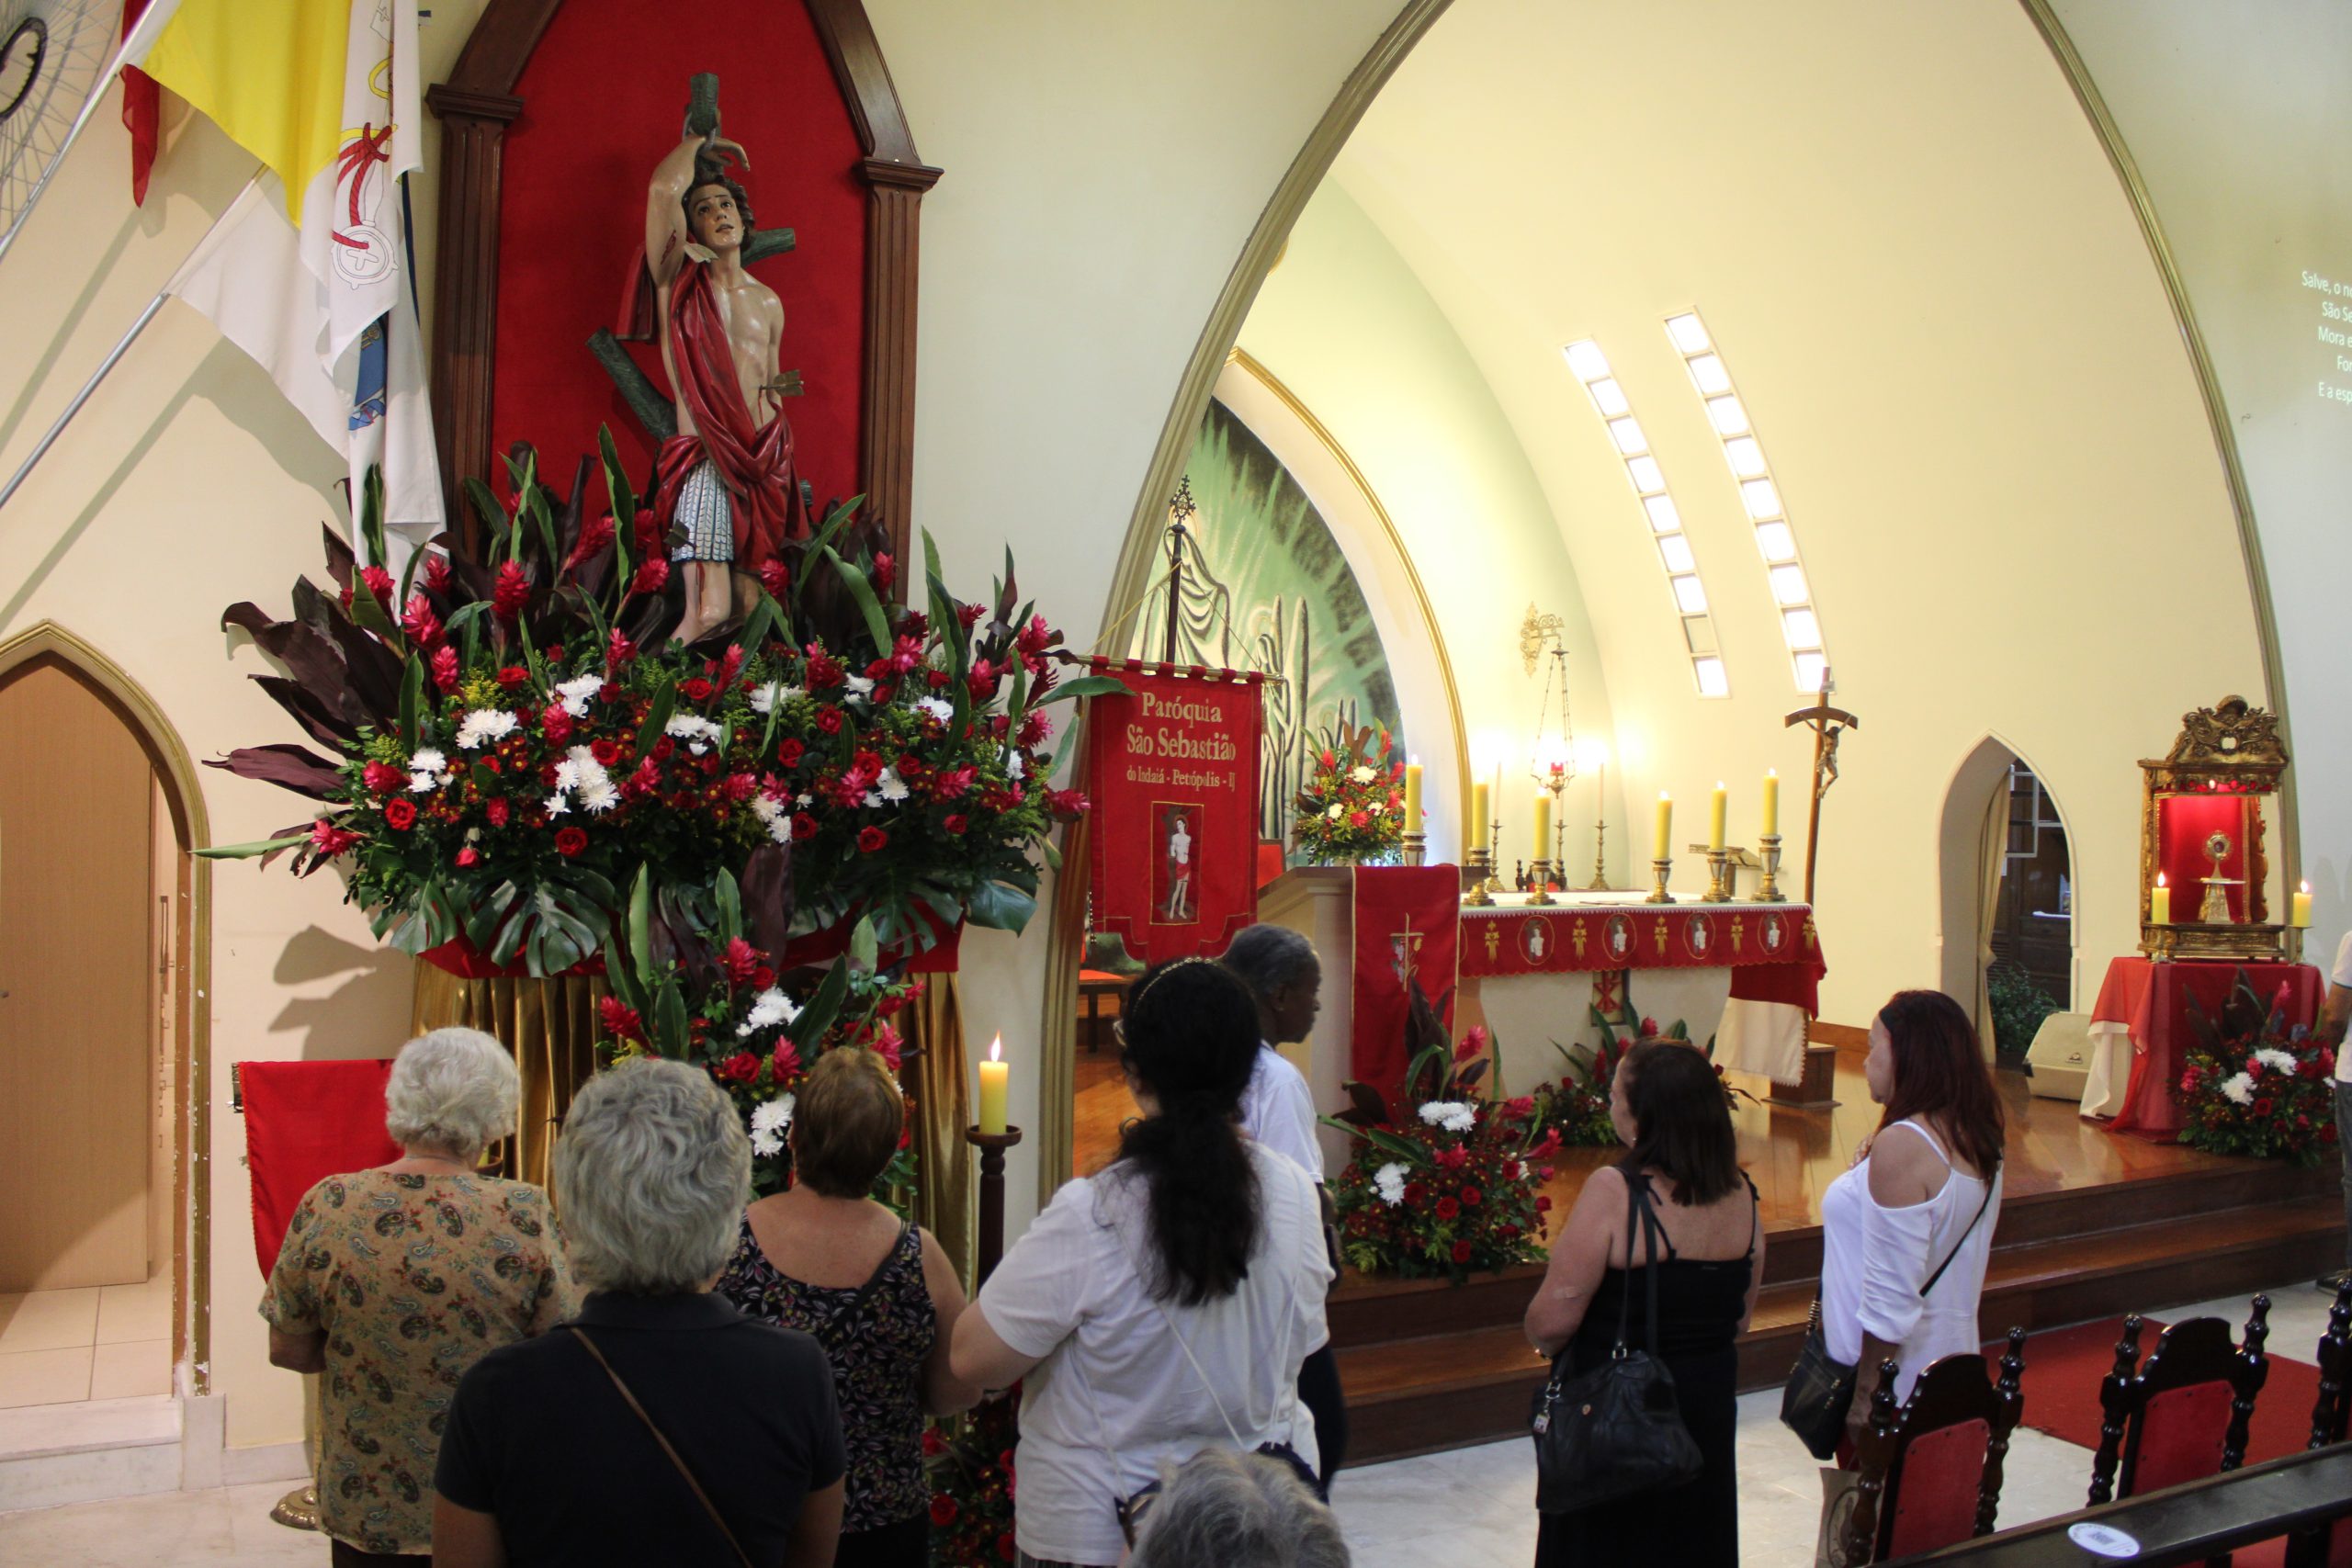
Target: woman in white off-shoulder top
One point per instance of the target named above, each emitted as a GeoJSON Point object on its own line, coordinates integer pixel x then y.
{"type": "Point", "coordinates": [1907, 1233]}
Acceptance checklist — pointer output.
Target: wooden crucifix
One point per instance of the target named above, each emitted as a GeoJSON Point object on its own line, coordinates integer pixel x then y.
{"type": "Point", "coordinates": [1827, 724]}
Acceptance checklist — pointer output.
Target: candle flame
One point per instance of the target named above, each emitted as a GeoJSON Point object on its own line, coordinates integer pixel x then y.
{"type": "Point", "coordinates": [1771, 773]}
{"type": "Point", "coordinates": [2306, 887]}
{"type": "Point", "coordinates": [1719, 784]}
{"type": "Point", "coordinates": [2160, 879]}
{"type": "Point", "coordinates": [996, 1049]}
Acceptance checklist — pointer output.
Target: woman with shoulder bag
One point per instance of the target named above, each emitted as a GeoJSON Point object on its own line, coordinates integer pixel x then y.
{"type": "Point", "coordinates": [1906, 1234]}
{"type": "Point", "coordinates": [1681, 1289]}
{"type": "Point", "coordinates": [1164, 1306]}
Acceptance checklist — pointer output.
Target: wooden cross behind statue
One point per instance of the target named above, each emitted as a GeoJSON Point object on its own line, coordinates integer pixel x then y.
{"type": "Point", "coordinates": [1828, 724]}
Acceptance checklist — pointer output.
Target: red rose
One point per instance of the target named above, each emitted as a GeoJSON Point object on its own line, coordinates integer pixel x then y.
{"type": "Point", "coordinates": [2262, 1105]}
{"type": "Point", "coordinates": [400, 814]}
{"type": "Point", "coordinates": [468, 856]}
{"type": "Point", "coordinates": [697, 690]}
{"type": "Point", "coordinates": [1447, 1208]}
{"type": "Point", "coordinates": [570, 840]}
{"type": "Point", "coordinates": [1471, 1197]}
{"type": "Point", "coordinates": [742, 1068]}
{"type": "Point", "coordinates": [606, 753]}
{"type": "Point", "coordinates": [383, 778]}
{"type": "Point", "coordinates": [1462, 1252]}
{"type": "Point", "coordinates": [512, 676]}
{"type": "Point", "coordinates": [943, 1510]}
{"type": "Point", "coordinates": [956, 823]}
{"type": "Point", "coordinates": [870, 838]}
{"type": "Point", "coordinates": [1414, 1194]}
{"type": "Point", "coordinates": [934, 1445]}
{"type": "Point", "coordinates": [830, 720]}
{"type": "Point", "coordinates": [803, 826]}
{"type": "Point", "coordinates": [788, 752]}
{"type": "Point", "coordinates": [499, 811]}
{"type": "Point", "coordinates": [763, 977]}
{"type": "Point", "coordinates": [1543, 1204]}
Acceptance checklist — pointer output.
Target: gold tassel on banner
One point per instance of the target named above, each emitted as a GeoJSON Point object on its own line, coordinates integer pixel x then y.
{"type": "Point", "coordinates": [942, 1163]}
{"type": "Point", "coordinates": [550, 1024]}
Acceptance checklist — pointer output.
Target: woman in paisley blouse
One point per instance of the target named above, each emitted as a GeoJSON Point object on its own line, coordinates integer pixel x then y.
{"type": "Point", "coordinates": [392, 1282]}
{"type": "Point", "coordinates": [878, 1294]}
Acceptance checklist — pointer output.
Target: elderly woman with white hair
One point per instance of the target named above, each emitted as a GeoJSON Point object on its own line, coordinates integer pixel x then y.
{"type": "Point", "coordinates": [1221, 1509]}
{"type": "Point", "coordinates": [661, 1426]}
{"type": "Point", "coordinates": [393, 1281]}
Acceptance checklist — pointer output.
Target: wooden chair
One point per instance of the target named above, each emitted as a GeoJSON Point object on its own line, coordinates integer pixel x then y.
{"type": "Point", "coordinates": [2183, 1415]}
{"type": "Point", "coordinates": [1931, 1472]}
{"type": "Point", "coordinates": [2329, 1546]}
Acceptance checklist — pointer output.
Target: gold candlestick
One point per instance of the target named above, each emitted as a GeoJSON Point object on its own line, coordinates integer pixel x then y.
{"type": "Point", "coordinates": [1540, 873]}
{"type": "Point", "coordinates": [1414, 849]}
{"type": "Point", "coordinates": [1658, 895]}
{"type": "Point", "coordinates": [1718, 877]}
{"type": "Point", "coordinates": [1474, 879]}
{"type": "Point", "coordinates": [1767, 889]}
{"type": "Point", "coordinates": [1494, 856]}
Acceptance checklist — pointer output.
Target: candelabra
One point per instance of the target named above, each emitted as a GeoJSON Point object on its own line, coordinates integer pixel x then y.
{"type": "Point", "coordinates": [1767, 889]}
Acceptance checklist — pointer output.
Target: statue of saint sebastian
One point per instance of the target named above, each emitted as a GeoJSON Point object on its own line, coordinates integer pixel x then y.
{"type": "Point", "coordinates": [727, 477]}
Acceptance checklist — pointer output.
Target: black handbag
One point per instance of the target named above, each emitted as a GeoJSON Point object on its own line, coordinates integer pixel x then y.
{"type": "Point", "coordinates": [1615, 1431]}
{"type": "Point", "coordinates": [1819, 1393]}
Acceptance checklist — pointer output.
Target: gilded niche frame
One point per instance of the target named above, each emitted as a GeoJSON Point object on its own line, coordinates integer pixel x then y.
{"type": "Point", "coordinates": [2231, 752]}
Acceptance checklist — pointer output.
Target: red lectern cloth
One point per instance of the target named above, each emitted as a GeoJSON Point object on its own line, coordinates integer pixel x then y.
{"type": "Point", "coordinates": [1172, 767]}
{"type": "Point", "coordinates": [2150, 1000]}
{"type": "Point", "coordinates": [305, 1121]}
{"type": "Point", "coordinates": [1408, 924]}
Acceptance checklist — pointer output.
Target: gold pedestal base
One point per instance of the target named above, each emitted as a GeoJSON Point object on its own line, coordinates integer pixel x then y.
{"type": "Point", "coordinates": [1539, 877]}
{"type": "Point", "coordinates": [1718, 878]}
{"type": "Point", "coordinates": [1768, 890]}
{"type": "Point", "coordinates": [299, 1509]}
{"type": "Point", "coordinates": [1658, 895]}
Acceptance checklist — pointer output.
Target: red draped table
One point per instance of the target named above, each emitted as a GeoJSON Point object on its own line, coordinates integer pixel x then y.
{"type": "Point", "coordinates": [2144, 1005]}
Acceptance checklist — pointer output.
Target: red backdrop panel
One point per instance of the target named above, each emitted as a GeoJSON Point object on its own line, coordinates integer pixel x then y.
{"type": "Point", "coordinates": [604, 100]}
{"type": "Point", "coordinates": [2183, 823]}
{"type": "Point", "coordinates": [305, 1121]}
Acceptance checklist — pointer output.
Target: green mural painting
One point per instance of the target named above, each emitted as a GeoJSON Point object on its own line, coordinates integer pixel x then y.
{"type": "Point", "coordinates": [1266, 587]}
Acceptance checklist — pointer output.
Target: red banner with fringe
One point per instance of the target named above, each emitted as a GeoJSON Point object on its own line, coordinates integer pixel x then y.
{"type": "Point", "coordinates": [1408, 926]}
{"type": "Point", "coordinates": [1172, 769]}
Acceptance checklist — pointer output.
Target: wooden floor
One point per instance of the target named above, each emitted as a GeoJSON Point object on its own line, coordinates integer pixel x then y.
{"type": "Point", "coordinates": [1104, 1103]}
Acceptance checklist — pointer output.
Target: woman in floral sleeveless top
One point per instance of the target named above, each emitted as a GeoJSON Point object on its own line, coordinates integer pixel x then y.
{"type": "Point", "coordinates": [878, 1294]}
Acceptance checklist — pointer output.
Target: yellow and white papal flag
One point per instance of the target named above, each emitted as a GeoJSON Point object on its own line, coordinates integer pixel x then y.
{"type": "Point", "coordinates": [310, 272]}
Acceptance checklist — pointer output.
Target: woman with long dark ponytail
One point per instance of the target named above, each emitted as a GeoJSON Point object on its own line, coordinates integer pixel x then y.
{"type": "Point", "coordinates": [1164, 1306]}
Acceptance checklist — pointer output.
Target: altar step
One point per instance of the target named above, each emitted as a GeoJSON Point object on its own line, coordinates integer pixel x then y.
{"type": "Point", "coordinates": [1429, 1366]}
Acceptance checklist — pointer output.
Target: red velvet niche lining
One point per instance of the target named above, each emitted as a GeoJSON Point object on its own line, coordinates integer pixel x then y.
{"type": "Point", "coordinates": [2183, 823]}
{"type": "Point", "coordinates": [1935, 1501]}
{"type": "Point", "coordinates": [2181, 1436]}
{"type": "Point", "coordinates": [604, 100]}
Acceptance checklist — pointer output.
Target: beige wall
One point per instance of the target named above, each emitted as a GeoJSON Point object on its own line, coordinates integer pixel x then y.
{"type": "Point", "coordinates": [1956, 350]}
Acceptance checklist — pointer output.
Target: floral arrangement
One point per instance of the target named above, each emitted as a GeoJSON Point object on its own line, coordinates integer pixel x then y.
{"type": "Point", "coordinates": [2254, 1086]}
{"type": "Point", "coordinates": [970, 1462]}
{"type": "Point", "coordinates": [1453, 1186]}
{"type": "Point", "coordinates": [516, 735]}
{"type": "Point", "coordinates": [1352, 807]}
{"type": "Point", "coordinates": [720, 1005]}
{"type": "Point", "coordinates": [1575, 1107]}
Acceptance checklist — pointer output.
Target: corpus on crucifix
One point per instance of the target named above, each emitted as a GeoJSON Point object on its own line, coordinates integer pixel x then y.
{"type": "Point", "coordinates": [1827, 724]}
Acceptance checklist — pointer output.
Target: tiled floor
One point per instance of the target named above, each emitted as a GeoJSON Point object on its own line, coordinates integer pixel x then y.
{"type": "Point", "coordinates": [102, 1342]}
{"type": "Point", "coordinates": [1471, 1508]}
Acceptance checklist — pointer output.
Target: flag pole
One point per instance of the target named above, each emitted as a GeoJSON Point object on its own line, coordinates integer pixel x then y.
{"type": "Point", "coordinates": [135, 45]}
{"type": "Point", "coordinates": [88, 387]}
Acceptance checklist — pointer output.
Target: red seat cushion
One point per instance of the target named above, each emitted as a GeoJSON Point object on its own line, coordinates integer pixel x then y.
{"type": "Point", "coordinates": [1936, 1490]}
{"type": "Point", "coordinates": [2180, 1433]}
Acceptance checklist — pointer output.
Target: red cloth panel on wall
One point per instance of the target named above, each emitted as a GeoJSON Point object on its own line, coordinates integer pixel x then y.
{"type": "Point", "coordinates": [2183, 823]}
{"type": "Point", "coordinates": [305, 1121]}
{"type": "Point", "coordinates": [1408, 924]}
{"type": "Point", "coordinates": [605, 100]}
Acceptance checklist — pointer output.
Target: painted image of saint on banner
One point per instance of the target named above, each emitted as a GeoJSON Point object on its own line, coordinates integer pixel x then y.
{"type": "Point", "coordinates": [1176, 825]}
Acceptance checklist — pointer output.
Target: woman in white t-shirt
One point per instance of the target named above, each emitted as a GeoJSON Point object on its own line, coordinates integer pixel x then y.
{"type": "Point", "coordinates": [1164, 1306]}
{"type": "Point", "coordinates": [1907, 1231]}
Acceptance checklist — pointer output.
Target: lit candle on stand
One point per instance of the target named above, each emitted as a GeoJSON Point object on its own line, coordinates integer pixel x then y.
{"type": "Point", "coordinates": [1771, 803]}
{"type": "Point", "coordinates": [2302, 911]}
{"type": "Point", "coordinates": [1717, 811]}
{"type": "Point", "coordinates": [1474, 832]}
{"type": "Point", "coordinates": [1413, 795]}
{"type": "Point", "coordinates": [1664, 827]}
{"type": "Point", "coordinates": [1543, 824]}
{"type": "Point", "coordinates": [2160, 903]}
{"type": "Point", "coordinates": [992, 1088]}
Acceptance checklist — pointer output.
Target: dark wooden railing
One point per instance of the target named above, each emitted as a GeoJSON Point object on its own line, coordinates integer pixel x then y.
{"type": "Point", "coordinates": [2302, 1493]}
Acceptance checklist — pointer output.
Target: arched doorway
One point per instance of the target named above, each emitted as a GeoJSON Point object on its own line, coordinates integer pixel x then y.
{"type": "Point", "coordinates": [2008, 898]}
{"type": "Point", "coordinates": [100, 1050]}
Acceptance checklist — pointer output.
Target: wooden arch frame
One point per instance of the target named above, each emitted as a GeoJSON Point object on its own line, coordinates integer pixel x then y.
{"type": "Point", "coordinates": [191, 1024]}
{"type": "Point", "coordinates": [478, 103]}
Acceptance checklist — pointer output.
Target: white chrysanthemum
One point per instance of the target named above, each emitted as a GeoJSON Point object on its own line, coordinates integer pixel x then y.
{"type": "Point", "coordinates": [1389, 1181]}
{"type": "Point", "coordinates": [890, 786]}
{"type": "Point", "coordinates": [939, 708]}
{"type": "Point", "coordinates": [1362, 774]}
{"type": "Point", "coordinates": [803, 798]}
{"type": "Point", "coordinates": [484, 726]}
{"type": "Point", "coordinates": [600, 796]}
{"type": "Point", "coordinates": [422, 783]}
{"type": "Point", "coordinates": [764, 699]}
{"type": "Point", "coordinates": [1333, 814]}
{"type": "Point", "coordinates": [2277, 1060]}
{"type": "Point", "coordinates": [769, 1122]}
{"type": "Point", "coordinates": [567, 774]}
{"type": "Point", "coordinates": [429, 761]}
{"type": "Point", "coordinates": [1451, 1114]}
{"type": "Point", "coordinates": [771, 1008]}
{"type": "Point", "coordinates": [556, 804]}
{"type": "Point", "coordinates": [772, 814]}
{"type": "Point", "coordinates": [696, 731]}
{"type": "Point", "coordinates": [859, 686]}
{"type": "Point", "coordinates": [1012, 763]}
{"type": "Point", "coordinates": [574, 694]}
{"type": "Point", "coordinates": [2239, 1088]}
